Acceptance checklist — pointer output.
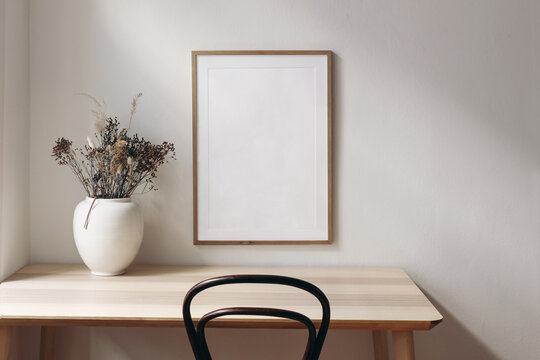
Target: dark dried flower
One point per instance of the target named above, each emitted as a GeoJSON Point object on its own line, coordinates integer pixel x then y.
{"type": "Point", "coordinates": [62, 150]}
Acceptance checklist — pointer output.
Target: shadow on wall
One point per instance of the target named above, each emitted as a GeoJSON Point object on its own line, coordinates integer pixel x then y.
{"type": "Point", "coordinates": [22, 337]}
{"type": "Point", "coordinates": [337, 105]}
{"type": "Point", "coordinates": [161, 343]}
{"type": "Point", "coordinates": [450, 340]}
{"type": "Point", "coordinates": [76, 343]}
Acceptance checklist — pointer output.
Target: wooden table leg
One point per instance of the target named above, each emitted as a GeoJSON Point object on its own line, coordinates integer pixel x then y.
{"type": "Point", "coordinates": [403, 345]}
{"type": "Point", "coordinates": [380, 344]}
{"type": "Point", "coordinates": [46, 351]}
{"type": "Point", "coordinates": [5, 341]}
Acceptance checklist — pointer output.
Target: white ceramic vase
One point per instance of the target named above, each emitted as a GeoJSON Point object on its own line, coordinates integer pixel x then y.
{"type": "Point", "coordinates": [111, 237]}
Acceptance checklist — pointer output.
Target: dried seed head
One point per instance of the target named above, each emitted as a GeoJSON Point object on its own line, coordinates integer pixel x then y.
{"type": "Point", "coordinates": [120, 144]}
{"type": "Point", "coordinates": [100, 125]}
{"type": "Point", "coordinates": [90, 142]}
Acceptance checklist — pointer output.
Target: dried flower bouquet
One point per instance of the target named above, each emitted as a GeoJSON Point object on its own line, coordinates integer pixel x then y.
{"type": "Point", "coordinates": [115, 165]}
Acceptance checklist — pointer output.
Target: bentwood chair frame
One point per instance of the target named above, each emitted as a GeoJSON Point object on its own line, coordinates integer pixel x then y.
{"type": "Point", "coordinates": [197, 335]}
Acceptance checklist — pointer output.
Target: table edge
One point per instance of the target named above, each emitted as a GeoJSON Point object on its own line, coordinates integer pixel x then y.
{"type": "Point", "coordinates": [222, 323]}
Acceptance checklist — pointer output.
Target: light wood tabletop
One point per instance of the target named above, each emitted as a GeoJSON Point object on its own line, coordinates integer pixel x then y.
{"type": "Point", "coordinates": [51, 295]}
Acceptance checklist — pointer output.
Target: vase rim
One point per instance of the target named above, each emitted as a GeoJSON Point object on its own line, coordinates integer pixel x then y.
{"type": "Point", "coordinates": [127, 199]}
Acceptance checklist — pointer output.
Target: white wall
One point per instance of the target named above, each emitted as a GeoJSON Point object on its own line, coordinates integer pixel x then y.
{"type": "Point", "coordinates": [14, 134]}
{"type": "Point", "coordinates": [14, 140]}
{"type": "Point", "coordinates": [437, 151]}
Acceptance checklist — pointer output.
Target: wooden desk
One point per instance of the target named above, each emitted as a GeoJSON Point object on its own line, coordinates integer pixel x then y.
{"type": "Point", "coordinates": [377, 299]}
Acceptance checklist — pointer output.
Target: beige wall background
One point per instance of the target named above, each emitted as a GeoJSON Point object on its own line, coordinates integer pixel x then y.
{"type": "Point", "coordinates": [14, 134]}
{"type": "Point", "coordinates": [437, 154]}
{"type": "Point", "coordinates": [14, 140]}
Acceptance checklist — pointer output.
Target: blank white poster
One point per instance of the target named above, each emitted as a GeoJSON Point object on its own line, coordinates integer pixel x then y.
{"type": "Point", "coordinates": [262, 148]}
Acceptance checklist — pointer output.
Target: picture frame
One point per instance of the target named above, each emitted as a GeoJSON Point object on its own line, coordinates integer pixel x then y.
{"type": "Point", "coordinates": [262, 147]}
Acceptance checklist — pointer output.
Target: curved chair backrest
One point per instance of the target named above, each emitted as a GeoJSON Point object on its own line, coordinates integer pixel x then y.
{"type": "Point", "coordinates": [197, 337]}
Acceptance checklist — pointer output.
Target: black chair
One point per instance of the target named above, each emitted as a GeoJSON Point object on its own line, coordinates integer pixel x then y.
{"type": "Point", "coordinates": [197, 336]}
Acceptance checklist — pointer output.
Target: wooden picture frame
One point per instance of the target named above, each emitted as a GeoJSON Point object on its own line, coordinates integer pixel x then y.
{"type": "Point", "coordinates": [262, 147]}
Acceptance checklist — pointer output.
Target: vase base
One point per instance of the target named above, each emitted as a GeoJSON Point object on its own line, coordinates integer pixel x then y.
{"type": "Point", "coordinates": [97, 273]}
